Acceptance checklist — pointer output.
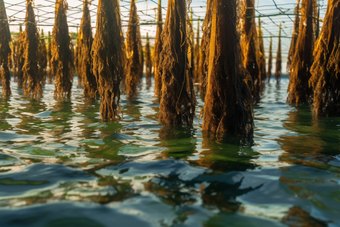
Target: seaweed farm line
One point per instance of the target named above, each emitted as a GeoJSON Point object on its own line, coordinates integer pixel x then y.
{"type": "Point", "coordinates": [60, 165]}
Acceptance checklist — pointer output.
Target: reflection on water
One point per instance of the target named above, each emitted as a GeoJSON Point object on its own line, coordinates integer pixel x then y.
{"type": "Point", "coordinates": [61, 165]}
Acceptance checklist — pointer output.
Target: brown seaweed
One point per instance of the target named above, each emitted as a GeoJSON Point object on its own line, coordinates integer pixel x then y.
{"type": "Point", "coordinates": [62, 58]}
{"type": "Point", "coordinates": [20, 60]}
{"type": "Point", "coordinates": [31, 76]}
{"type": "Point", "coordinates": [278, 58]}
{"type": "Point", "coordinates": [204, 50]}
{"type": "Point", "coordinates": [108, 57]}
{"type": "Point", "coordinates": [325, 70]}
{"type": "Point", "coordinates": [5, 50]}
{"type": "Point", "coordinates": [42, 58]}
{"type": "Point", "coordinates": [86, 40]}
{"type": "Point", "coordinates": [228, 102]}
{"type": "Point", "coordinates": [262, 54]}
{"type": "Point", "coordinates": [270, 60]}
{"type": "Point", "coordinates": [250, 49]}
{"type": "Point", "coordinates": [148, 62]}
{"type": "Point", "coordinates": [298, 89]}
{"type": "Point", "coordinates": [157, 51]}
{"type": "Point", "coordinates": [178, 100]}
{"type": "Point", "coordinates": [295, 35]}
{"type": "Point", "coordinates": [197, 52]}
{"type": "Point", "coordinates": [49, 57]}
{"type": "Point", "coordinates": [134, 64]}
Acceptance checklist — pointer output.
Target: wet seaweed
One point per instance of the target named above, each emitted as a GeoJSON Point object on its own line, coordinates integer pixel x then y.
{"type": "Point", "coordinates": [49, 57]}
{"type": "Point", "coordinates": [228, 102]}
{"type": "Point", "coordinates": [134, 64]}
{"type": "Point", "coordinates": [262, 55]}
{"type": "Point", "coordinates": [20, 59]}
{"type": "Point", "coordinates": [31, 77]}
{"type": "Point", "coordinates": [62, 58]}
{"type": "Point", "coordinates": [325, 78]}
{"type": "Point", "coordinates": [295, 35]}
{"type": "Point", "coordinates": [250, 48]}
{"type": "Point", "coordinates": [5, 51]}
{"type": "Point", "coordinates": [204, 50]}
{"type": "Point", "coordinates": [77, 53]}
{"type": "Point", "coordinates": [14, 47]}
{"type": "Point", "coordinates": [298, 90]}
{"type": "Point", "coordinates": [42, 58]}
{"type": "Point", "coordinates": [157, 51]}
{"type": "Point", "coordinates": [270, 60]}
{"type": "Point", "coordinates": [178, 100]}
{"type": "Point", "coordinates": [278, 58]}
{"type": "Point", "coordinates": [148, 62]}
{"type": "Point", "coordinates": [108, 57]}
{"type": "Point", "coordinates": [86, 40]}
{"type": "Point", "coordinates": [197, 52]}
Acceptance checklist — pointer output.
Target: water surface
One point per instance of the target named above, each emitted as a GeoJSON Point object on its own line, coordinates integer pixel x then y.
{"type": "Point", "coordinates": [60, 165]}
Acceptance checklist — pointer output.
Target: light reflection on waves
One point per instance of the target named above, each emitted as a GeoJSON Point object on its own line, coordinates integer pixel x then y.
{"type": "Point", "coordinates": [136, 169]}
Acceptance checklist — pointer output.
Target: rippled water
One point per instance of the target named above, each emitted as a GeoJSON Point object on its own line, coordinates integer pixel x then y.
{"type": "Point", "coordinates": [61, 166]}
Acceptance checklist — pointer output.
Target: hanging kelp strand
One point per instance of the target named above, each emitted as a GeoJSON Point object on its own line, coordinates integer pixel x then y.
{"type": "Point", "coordinates": [5, 50]}
{"type": "Point", "coordinates": [49, 57]}
{"type": "Point", "coordinates": [20, 57]}
{"type": "Point", "coordinates": [14, 47]}
{"type": "Point", "coordinates": [31, 76]}
{"type": "Point", "coordinates": [86, 40]}
{"type": "Point", "coordinates": [262, 54]}
{"type": "Point", "coordinates": [228, 102]}
{"type": "Point", "coordinates": [134, 65]}
{"type": "Point", "coordinates": [278, 59]}
{"type": "Point", "coordinates": [148, 62]}
{"type": "Point", "coordinates": [178, 101]}
{"type": "Point", "coordinates": [108, 57]}
{"type": "Point", "coordinates": [157, 51]}
{"type": "Point", "coordinates": [250, 49]}
{"type": "Point", "coordinates": [325, 70]}
{"type": "Point", "coordinates": [204, 50]}
{"type": "Point", "coordinates": [78, 59]}
{"type": "Point", "coordinates": [42, 58]}
{"type": "Point", "coordinates": [270, 59]}
{"type": "Point", "coordinates": [298, 89]}
{"type": "Point", "coordinates": [294, 36]}
{"type": "Point", "coordinates": [197, 52]}
{"type": "Point", "coordinates": [62, 58]}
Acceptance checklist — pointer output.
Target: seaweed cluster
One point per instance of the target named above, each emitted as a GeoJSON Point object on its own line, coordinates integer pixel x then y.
{"type": "Point", "coordinates": [5, 50]}
{"type": "Point", "coordinates": [157, 51]}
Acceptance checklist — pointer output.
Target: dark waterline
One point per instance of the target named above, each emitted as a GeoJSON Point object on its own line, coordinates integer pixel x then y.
{"type": "Point", "coordinates": [61, 166]}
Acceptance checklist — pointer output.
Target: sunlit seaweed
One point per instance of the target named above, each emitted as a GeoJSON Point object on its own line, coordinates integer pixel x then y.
{"type": "Point", "coordinates": [78, 60]}
{"type": "Point", "coordinates": [108, 57]}
{"type": "Point", "coordinates": [62, 58]}
{"type": "Point", "coordinates": [178, 100]}
{"type": "Point", "coordinates": [42, 58]}
{"type": "Point", "coordinates": [86, 40]}
{"type": "Point", "coordinates": [270, 60]}
{"type": "Point", "coordinates": [134, 64]}
{"type": "Point", "coordinates": [278, 58]}
{"type": "Point", "coordinates": [5, 50]}
{"type": "Point", "coordinates": [326, 67]}
{"type": "Point", "coordinates": [228, 102]}
{"type": "Point", "coordinates": [148, 62]}
{"type": "Point", "coordinates": [299, 91]}
{"type": "Point", "coordinates": [250, 48]}
{"type": "Point", "coordinates": [204, 50]}
{"type": "Point", "coordinates": [157, 51]}
{"type": "Point", "coordinates": [197, 52]}
{"type": "Point", "coordinates": [49, 57]}
{"type": "Point", "coordinates": [262, 54]}
{"type": "Point", "coordinates": [31, 76]}
{"type": "Point", "coordinates": [14, 47]}
{"type": "Point", "coordinates": [20, 58]}
{"type": "Point", "coordinates": [295, 35]}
